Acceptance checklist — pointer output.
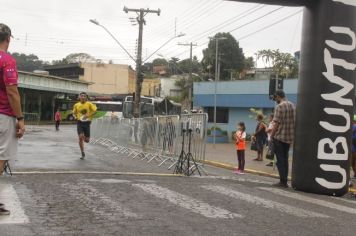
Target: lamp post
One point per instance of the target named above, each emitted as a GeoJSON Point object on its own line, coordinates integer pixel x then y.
{"type": "Point", "coordinates": [217, 74]}
{"type": "Point", "coordinates": [117, 41]}
{"type": "Point", "coordinates": [176, 36]}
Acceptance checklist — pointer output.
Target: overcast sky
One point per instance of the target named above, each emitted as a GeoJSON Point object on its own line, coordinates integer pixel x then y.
{"type": "Point", "coordinates": [52, 29]}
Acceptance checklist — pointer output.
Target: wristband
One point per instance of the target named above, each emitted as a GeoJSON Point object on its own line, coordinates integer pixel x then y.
{"type": "Point", "coordinates": [19, 118]}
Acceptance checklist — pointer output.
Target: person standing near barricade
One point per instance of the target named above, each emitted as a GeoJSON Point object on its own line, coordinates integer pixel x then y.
{"type": "Point", "coordinates": [11, 118]}
{"type": "Point", "coordinates": [83, 112]}
{"type": "Point", "coordinates": [270, 149]}
{"type": "Point", "coordinates": [240, 148]}
{"type": "Point", "coordinates": [57, 119]}
{"type": "Point", "coordinates": [260, 137]}
{"type": "Point", "coordinates": [283, 134]}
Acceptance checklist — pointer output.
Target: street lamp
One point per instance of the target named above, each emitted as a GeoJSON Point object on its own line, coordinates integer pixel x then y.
{"type": "Point", "coordinates": [176, 36]}
{"type": "Point", "coordinates": [97, 23]}
{"type": "Point", "coordinates": [217, 75]}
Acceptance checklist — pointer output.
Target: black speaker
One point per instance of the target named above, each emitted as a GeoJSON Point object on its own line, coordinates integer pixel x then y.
{"type": "Point", "coordinates": [274, 84]}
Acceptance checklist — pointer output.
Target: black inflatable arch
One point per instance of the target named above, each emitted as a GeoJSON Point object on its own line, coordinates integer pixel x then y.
{"type": "Point", "coordinates": [322, 147]}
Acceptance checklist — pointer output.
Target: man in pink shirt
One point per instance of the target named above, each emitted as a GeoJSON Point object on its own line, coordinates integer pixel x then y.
{"type": "Point", "coordinates": [11, 118]}
{"type": "Point", "coordinates": [57, 119]}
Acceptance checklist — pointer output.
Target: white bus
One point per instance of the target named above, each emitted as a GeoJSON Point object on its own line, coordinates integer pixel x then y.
{"type": "Point", "coordinates": [151, 106]}
{"type": "Point", "coordinates": [108, 108]}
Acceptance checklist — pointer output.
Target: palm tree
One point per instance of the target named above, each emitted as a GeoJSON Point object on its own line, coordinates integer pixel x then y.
{"type": "Point", "coordinates": [283, 64]}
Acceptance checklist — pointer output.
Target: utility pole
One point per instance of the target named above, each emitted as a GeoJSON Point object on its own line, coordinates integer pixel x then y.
{"type": "Point", "coordinates": [139, 76]}
{"type": "Point", "coordinates": [217, 78]}
{"type": "Point", "coordinates": [190, 81]}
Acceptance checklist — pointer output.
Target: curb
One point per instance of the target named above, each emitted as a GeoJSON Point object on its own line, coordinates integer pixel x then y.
{"type": "Point", "coordinates": [254, 172]}
{"type": "Point", "coordinates": [232, 167]}
{"type": "Point", "coordinates": [94, 173]}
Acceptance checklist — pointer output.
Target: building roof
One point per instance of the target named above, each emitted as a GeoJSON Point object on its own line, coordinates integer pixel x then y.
{"type": "Point", "coordinates": [54, 77]}
{"type": "Point", "coordinates": [62, 66]}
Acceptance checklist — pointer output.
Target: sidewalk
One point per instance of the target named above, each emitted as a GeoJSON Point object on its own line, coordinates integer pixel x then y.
{"type": "Point", "coordinates": [224, 155]}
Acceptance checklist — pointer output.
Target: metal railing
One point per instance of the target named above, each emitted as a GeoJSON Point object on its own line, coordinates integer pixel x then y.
{"type": "Point", "coordinates": [155, 139]}
{"type": "Point", "coordinates": [32, 121]}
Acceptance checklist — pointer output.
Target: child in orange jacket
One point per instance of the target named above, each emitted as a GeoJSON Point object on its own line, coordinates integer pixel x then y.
{"type": "Point", "coordinates": [240, 147]}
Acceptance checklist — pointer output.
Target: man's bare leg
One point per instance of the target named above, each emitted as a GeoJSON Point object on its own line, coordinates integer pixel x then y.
{"type": "Point", "coordinates": [2, 165]}
{"type": "Point", "coordinates": [81, 145]}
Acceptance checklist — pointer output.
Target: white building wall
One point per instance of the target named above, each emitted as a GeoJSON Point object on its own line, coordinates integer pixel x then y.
{"type": "Point", "coordinates": [168, 87]}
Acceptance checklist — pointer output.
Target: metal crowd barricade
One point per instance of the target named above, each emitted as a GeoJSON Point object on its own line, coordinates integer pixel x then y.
{"type": "Point", "coordinates": [198, 124]}
{"type": "Point", "coordinates": [195, 127]}
{"type": "Point", "coordinates": [167, 139]}
{"type": "Point", "coordinates": [154, 139]}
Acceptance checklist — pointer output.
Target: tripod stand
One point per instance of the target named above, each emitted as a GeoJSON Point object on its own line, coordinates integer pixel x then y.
{"type": "Point", "coordinates": [7, 169]}
{"type": "Point", "coordinates": [183, 165]}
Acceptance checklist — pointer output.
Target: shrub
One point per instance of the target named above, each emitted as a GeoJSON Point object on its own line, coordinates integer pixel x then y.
{"type": "Point", "coordinates": [224, 132]}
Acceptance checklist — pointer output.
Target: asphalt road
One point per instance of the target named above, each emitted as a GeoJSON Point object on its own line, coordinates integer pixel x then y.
{"type": "Point", "coordinates": [138, 201]}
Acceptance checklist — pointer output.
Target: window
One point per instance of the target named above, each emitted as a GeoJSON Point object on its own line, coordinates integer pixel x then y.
{"type": "Point", "coordinates": [222, 115]}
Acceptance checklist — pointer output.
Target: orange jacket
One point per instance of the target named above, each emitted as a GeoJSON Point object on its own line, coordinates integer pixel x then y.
{"type": "Point", "coordinates": [240, 140]}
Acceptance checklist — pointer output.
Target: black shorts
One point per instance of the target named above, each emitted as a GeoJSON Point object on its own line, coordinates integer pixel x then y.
{"type": "Point", "coordinates": [83, 128]}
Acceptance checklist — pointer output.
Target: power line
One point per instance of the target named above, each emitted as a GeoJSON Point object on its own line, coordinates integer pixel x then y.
{"type": "Point", "coordinates": [228, 22]}
{"type": "Point", "coordinates": [243, 25]}
{"type": "Point", "coordinates": [184, 15]}
{"type": "Point", "coordinates": [186, 19]}
{"type": "Point", "coordinates": [269, 26]}
{"type": "Point", "coordinates": [255, 32]}
{"type": "Point", "coordinates": [233, 20]}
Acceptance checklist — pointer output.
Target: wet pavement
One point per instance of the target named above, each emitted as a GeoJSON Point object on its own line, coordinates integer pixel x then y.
{"type": "Point", "coordinates": [49, 150]}
{"type": "Point", "coordinates": [131, 197]}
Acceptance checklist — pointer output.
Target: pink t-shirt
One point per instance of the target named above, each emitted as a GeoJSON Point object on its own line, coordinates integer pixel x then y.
{"type": "Point", "coordinates": [8, 76]}
{"type": "Point", "coordinates": [57, 116]}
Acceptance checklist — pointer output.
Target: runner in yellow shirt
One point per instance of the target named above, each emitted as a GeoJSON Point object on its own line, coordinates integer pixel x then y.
{"type": "Point", "coordinates": [83, 112]}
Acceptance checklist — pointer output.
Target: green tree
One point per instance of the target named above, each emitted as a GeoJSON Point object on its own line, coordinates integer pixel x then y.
{"type": "Point", "coordinates": [76, 58]}
{"type": "Point", "coordinates": [231, 56]}
{"type": "Point", "coordinates": [173, 66]}
{"type": "Point", "coordinates": [283, 64]}
{"type": "Point", "coordinates": [249, 63]}
{"type": "Point", "coordinates": [184, 65]}
{"type": "Point", "coordinates": [159, 62]}
{"type": "Point", "coordinates": [29, 62]}
{"type": "Point", "coordinates": [183, 84]}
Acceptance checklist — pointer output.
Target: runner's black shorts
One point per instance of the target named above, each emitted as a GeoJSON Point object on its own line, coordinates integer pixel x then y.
{"type": "Point", "coordinates": [84, 128]}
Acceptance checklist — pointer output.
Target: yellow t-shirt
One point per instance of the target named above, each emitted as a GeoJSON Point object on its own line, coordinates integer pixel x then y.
{"type": "Point", "coordinates": [84, 111]}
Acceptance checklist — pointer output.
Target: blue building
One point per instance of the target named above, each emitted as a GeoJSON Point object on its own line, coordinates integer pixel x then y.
{"type": "Point", "coordinates": [234, 99]}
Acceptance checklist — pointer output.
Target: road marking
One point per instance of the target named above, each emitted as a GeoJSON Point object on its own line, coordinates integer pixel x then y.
{"type": "Point", "coordinates": [8, 196]}
{"type": "Point", "coordinates": [94, 173]}
{"type": "Point", "coordinates": [311, 200]}
{"type": "Point", "coordinates": [234, 178]}
{"type": "Point", "coordinates": [146, 181]}
{"type": "Point", "coordinates": [344, 200]}
{"type": "Point", "coordinates": [94, 200]}
{"type": "Point", "coordinates": [108, 181]}
{"type": "Point", "coordinates": [187, 202]}
{"type": "Point", "coordinates": [263, 202]}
